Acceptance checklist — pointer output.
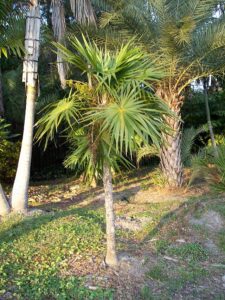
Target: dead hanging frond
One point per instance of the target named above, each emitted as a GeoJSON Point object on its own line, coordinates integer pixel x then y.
{"type": "Point", "coordinates": [59, 29]}
{"type": "Point", "coordinates": [58, 20]}
{"type": "Point", "coordinates": [83, 12]}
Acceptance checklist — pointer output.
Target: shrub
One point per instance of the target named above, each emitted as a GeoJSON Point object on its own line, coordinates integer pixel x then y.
{"type": "Point", "coordinates": [9, 154]}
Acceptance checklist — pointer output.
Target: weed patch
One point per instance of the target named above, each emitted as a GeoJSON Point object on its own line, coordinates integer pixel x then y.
{"type": "Point", "coordinates": [190, 251]}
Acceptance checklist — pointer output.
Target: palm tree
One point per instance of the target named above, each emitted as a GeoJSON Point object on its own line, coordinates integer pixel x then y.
{"type": "Point", "coordinates": [104, 119]}
{"type": "Point", "coordinates": [185, 38]}
{"type": "Point", "coordinates": [19, 197]}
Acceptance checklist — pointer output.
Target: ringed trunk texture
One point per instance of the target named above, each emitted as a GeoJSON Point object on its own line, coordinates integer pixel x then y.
{"type": "Point", "coordinates": [19, 199]}
{"type": "Point", "coordinates": [170, 155]}
{"type": "Point", "coordinates": [111, 256]}
{"type": "Point", "coordinates": [4, 205]}
{"type": "Point", "coordinates": [21, 183]}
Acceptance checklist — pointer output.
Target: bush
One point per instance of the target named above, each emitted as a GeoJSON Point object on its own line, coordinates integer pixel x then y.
{"type": "Point", "coordinates": [9, 154]}
{"type": "Point", "coordinates": [210, 168]}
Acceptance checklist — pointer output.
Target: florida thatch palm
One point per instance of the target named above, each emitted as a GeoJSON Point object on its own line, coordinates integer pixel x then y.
{"type": "Point", "coordinates": [105, 114]}
{"type": "Point", "coordinates": [185, 38]}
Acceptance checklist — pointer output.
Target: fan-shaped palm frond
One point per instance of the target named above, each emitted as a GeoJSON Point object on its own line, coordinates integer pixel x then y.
{"type": "Point", "coordinates": [129, 63]}
{"type": "Point", "coordinates": [66, 110]}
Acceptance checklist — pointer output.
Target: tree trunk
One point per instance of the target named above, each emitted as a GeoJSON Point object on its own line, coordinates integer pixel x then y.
{"type": "Point", "coordinates": [210, 122]}
{"type": "Point", "coordinates": [170, 155]}
{"type": "Point", "coordinates": [4, 205]}
{"type": "Point", "coordinates": [111, 257]}
{"type": "Point", "coordinates": [21, 183]}
{"type": "Point", "coordinates": [2, 111]}
{"type": "Point", "coordinates": [19, 198]}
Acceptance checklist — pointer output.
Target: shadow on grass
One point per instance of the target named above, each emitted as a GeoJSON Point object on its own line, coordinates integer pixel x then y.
{"type": "Point", "coordinates": [29, 223]}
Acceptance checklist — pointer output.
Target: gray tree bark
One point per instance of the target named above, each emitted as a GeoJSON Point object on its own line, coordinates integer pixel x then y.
{"type": "Point", "coordinates": [111, 256]}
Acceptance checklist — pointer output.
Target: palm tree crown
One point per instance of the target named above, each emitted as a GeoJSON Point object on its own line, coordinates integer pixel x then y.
{"type": "Point", "coordinates": [105, 115]}
{"type": "Point", "coordinates": [187, 40]}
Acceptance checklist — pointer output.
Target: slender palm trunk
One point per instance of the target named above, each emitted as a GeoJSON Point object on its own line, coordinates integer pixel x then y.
{"type": "Point", "coordinates": [170, 155]}
{"type": "Point", "coordinates": [19, 200]}
{"type": "Point", "coordinates": [212, 136]}
{"type": "Point", "coordinates": [4, 205]}
{"type": "Point", "coordinates": [21, 183]}
{"type": "Point", "coordinates": [2, 111]}
{"type": "Point", "coordinates": [111, 257]}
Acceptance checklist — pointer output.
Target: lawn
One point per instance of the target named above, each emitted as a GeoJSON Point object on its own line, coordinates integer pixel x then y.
{"type": "Point", "coordinates": [59, 253]}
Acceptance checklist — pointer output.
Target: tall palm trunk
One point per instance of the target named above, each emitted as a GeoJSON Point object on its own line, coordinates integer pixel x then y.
{"type": "Point", "coordinates": [111, 257]}
{"type": "Point", "coordinates": [59, 29]}
{"type": "Point", "coordinates": [21, 183]}
{"type": "Point", "coordinates": [19, 199]}
{"type": "Point", "coordinates": [4, 205]}
{"type": "Point", "coordinates": [2, 111]}
{"type": "Point", "coordinates": [170, 155]}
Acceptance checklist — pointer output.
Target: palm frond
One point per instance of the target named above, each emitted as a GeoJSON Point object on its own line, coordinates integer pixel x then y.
{"type": "Point", "coordinates": [65, 110]}
{"type": "Point", "coordinates": [188, 138]}
{"type": "Point", "coordinates": [129, 116]}
{"type": "Point", "coordinates": [12, 28]}
{"type": "Point", "coordinates": [110, 68]}
{"type": "Point", "coordinates": [147, 151]}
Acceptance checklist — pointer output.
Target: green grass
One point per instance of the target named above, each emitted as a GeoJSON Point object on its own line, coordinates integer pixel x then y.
{"type": "Point", "coordinates": [186, 275]}
{"type": "Point", "coordinates": [161, 246]}
{"type": "Point", "coordinates": [158, 272]}
{"type": "Point", "coordinates": [146, 293]}
{"type": "Point", "coordinates": [35, 251]}
{"type": "Point", "coordinates": [189, 251]}
{"type": "Point", "coordinates": [221, 240]}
